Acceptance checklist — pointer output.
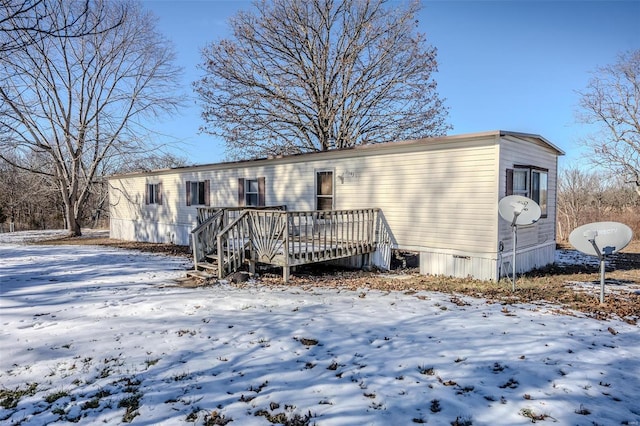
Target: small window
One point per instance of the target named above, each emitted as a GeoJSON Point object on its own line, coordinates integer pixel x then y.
{"type": "Point", "coordinates": [198, 193]}
{"type": "Point", "coordinates": [153, 193]}
{"type": "Point", "coordinates": [324, 190]}
{"type": "Point", "coordinates": [530, 182]}
{"type": "Point", "coordinates": [539, 189]}
{"type": "Point", "coordinates": [251, 192]}
{"type": "Point", "coordinates": [521, 182]}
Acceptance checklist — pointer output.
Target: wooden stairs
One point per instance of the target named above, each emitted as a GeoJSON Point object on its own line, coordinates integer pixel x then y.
{"type": "Point", "coordinates": [205, 269]}
{"type": "Point", "coordinates": [228, 240]}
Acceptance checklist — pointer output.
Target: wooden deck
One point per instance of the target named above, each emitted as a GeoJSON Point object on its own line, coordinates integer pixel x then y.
{"type": "Point", "coordinates": [239, 236]}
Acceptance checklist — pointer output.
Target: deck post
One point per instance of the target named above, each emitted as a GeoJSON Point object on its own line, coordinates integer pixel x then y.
{"type": "Point", "coordinates": [366, 261]}
{"type": "Point", "coordinates": [194, 242]}
{"type": "Point", "coordinates": [286, 271]}
{"type": "Point", "coordinates": [220, 258]}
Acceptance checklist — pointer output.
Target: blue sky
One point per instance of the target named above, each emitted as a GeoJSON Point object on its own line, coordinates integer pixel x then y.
{"type": "Point", "coordinates": [510, 65]}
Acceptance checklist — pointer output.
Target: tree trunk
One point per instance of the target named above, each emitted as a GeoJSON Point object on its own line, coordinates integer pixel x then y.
{"type": "Point", "coordinates": [73, 224]}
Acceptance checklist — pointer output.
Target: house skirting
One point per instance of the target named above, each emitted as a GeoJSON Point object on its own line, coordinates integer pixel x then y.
{"type": "Point", "coordinates": [149, 232]}
{"type": "Point", "coordinates": [485, 266]}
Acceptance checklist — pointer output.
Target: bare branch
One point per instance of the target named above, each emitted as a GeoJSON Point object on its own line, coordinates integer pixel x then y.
{"type": "Point", "coordinates": [611, 101]}
{"type": "Point", "coordinates": [79, 100]}
{"type": "Point", "coordinates": [320, 74]}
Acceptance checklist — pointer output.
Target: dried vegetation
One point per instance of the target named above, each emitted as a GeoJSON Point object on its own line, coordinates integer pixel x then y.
{"type": "Point", "coordinates": [571, 287]}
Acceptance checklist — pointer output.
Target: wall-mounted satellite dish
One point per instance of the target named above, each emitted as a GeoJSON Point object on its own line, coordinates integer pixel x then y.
{"type": "Point", "coordinates": [601, 239]}
{"type": "Point", "coordinates": [518, 210]}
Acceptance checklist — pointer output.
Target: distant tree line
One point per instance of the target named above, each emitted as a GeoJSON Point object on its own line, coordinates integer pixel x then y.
{"type": "Point", "coordinates": [80, 78]}
{"type": "Point", "coordinates": [586, 196]}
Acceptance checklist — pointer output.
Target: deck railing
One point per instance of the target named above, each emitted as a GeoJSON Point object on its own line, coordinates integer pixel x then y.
{"type": "Point", "coordinates": [231, 213]}
{"type": "Point", "coordinates": [294, 238]}
{"type": "Point", "coordinates": [211, 220]}
{"type": "Point", "coordinates": [204, 236]}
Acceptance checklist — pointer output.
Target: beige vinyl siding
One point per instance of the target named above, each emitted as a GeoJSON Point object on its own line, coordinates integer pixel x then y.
{"type": "Point", "coordinates": [439, 196]}
{"type": "Point", "coordinates": [536, 243]}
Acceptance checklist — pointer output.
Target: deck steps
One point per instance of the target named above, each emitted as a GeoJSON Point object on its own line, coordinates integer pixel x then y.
{"type": "Point", "coordinates": [204, 271]}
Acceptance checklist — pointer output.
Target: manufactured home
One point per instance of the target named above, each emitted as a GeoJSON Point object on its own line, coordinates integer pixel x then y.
{"type": "Point", "coordinates": [435, 196]}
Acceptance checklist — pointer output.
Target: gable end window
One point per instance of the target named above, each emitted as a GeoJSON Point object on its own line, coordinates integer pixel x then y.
{"type": "Point", "coordinates": [153, 193]}
{"type": "Point", "coordinates": [251, 192]}
{"type": "Point", "coordinates": [198, 193]}
{"type": "Point", "coordinates": [530, 182]}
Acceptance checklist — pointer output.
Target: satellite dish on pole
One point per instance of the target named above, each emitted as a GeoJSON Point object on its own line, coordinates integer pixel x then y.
{"type": "Point", "coordinates": [519, 211]}
{"type": "Point", "coordinates": [601, 239]}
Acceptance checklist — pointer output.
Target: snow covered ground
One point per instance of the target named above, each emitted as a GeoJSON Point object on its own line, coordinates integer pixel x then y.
{"type": "Point", "coordinates": [96, 335]}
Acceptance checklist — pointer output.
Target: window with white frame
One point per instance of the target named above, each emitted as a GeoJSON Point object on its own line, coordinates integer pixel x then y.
{"type": "Point", "coordinates": [530, 182]}
{"type": "Point", "coordinates": [197, 193]}
{"type": "Point", "coordinates": [251, 192]}
{"type": "Point", "coordinates": [153, 193]}
{"type": "Point", "coordinates": [324, 190]}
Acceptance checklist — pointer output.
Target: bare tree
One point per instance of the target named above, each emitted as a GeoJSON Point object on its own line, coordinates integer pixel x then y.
{"type": "Point", "coordinates": [152, 161]}
{"type": "Point", "coordinates": [24, 22]}
{"type": "Point", "coordinates": [611, 101]}
{"type": "Point", "coordinates": [80, 102]}
{"type": "Point", "coordinates": [302, 76]}
{"type": "Point", "coordinates": [28, 200]}
{"type": "Point", "coordinates": [589, 196]}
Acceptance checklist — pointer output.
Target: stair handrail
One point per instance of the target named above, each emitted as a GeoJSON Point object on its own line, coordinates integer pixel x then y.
{"type": "Point", "coordinates": [231, 256]}
{"type": "Point", "coordinates": [204, 236]}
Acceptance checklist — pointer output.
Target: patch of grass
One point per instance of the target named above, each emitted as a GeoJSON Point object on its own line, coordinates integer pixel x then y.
{"type": "Point", "coordinates": [131, 405]}
{"type": "Point", "coordinates": [530, 414]}
{"type": "Point", "coordinates": [435, 406]}
{"type": "Point", "coordinates": [307, 342]}
{"type": "Point", "coordinates": [151, 362]}
{"type": "Point", "coordinates": [10, 398]}
{"type": "Point", "coordinates": [102, 393]}
{"type": "Point", "coordinates": [58, 411]}
{"type": "Point", "coordinates": [333, 366]}
{"type": "Point", "coordinates": [93, 403]}
{"type": "Point", "coordinates": [105, 372]}
{"type": "Point", "coordinates": [583, 411]}
{"type": "Point", "coordinates": [259, 388]}
{"type": "Point", "coordinates": [465, 389]}
{"type": "Point", "coordinates": [53, 397]}
{"type": "Point", "coordinates": [216, 419]}
{"type": "Point", "coordinates": [192, 417]}
{"type": "Point", "coordinates": [180, 376]}
{"type": "Point", "coordinates": [286, 420]}
{"type": "Point", "coordinates": [511, 384]}
{"type": "Point", "coordinates": [429, 371]}
{"type": "Point", "coordinates": [462, 421]}
{"type": "Point", "coordinates": [498, 368]}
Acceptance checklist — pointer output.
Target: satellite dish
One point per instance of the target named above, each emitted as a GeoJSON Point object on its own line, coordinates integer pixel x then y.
{"type": "Point", "coordinates": [601, 238]}
{"type": "Point", "coordinates": [519, 210]}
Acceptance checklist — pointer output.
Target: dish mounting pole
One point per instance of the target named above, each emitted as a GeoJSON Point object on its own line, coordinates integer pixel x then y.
{"type": "Point", "coordinates": [514, 228]}
{"type": "Point", "coordinates": [601, 257]}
